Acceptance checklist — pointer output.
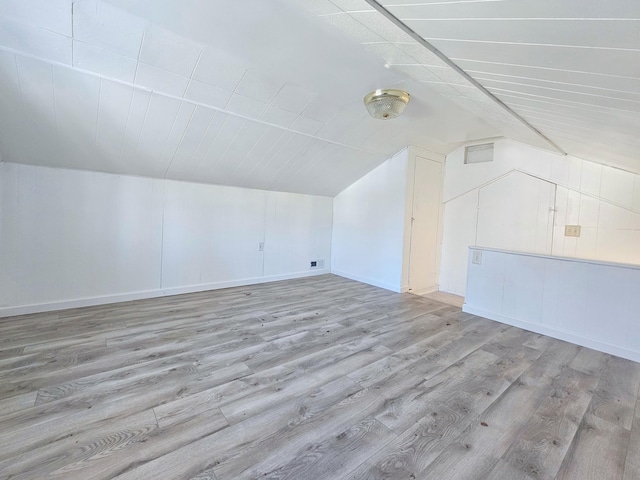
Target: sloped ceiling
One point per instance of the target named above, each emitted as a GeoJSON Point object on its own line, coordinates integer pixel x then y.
{"type": "Point", "coordinates": [269, 94]}
{"type": "Point", "coordinates": [570, 68]}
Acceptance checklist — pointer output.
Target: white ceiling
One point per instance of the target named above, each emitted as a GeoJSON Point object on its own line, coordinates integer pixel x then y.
{"type": "Point", "coordinates": [570, 68]}
{"type": "Point", "coordinates": [269, 94]}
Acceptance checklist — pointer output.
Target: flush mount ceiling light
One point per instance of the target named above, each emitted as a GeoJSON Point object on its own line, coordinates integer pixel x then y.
{"type": "Point", "coordinates": [386, 103]}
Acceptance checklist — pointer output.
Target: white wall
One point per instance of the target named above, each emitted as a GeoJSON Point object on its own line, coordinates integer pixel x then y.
{"type": "Point", "coordinates": [72, 238]}
{"type": "Point", "coordinates": [506, 204]}
{"type": "Point", "coordinates": [581, 301]}
{"type": "Point", "coordinates": [368, 226]}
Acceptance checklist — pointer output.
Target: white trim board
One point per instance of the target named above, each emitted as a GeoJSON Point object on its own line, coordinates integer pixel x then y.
{"type": "Point", "coordinates": [141, 295]}
{"type": "Point", "coordinates": [551, 332]}
{"type": "Point", "coordinates": [369, 281]}
{"type": "Point", "coordinates": [559, 258]}
{"type": "Point", "coordinates": [589, 303]}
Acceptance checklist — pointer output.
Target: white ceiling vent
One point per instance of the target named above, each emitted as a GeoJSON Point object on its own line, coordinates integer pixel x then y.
{"type": "Point", "coordinates": [479, 153]}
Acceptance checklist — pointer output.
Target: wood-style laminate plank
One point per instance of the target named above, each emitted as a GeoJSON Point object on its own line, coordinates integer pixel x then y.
{"type": "Point", "coordinates": [614, 400]}
{"type": "Point", "coordinates": [476, 452]}
{"type": "Point", "coordinates": [599, 450]}
{"type": "Point", "coordinates": [543, 441]}
{"type": "Point", "coordinates": [335, 456]}
{"type": "Point", "coordinates": [632, 462]}
{"type": "Point", "coordinates": [445, 432]}
{"type": "Point", "coordinates": [318, 377]}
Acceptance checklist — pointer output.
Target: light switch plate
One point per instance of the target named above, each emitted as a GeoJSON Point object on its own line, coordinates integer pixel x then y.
{"type": "Point", "coordinates": [477, 257]}
{"type": "Point", "coordinates": [572, 230]}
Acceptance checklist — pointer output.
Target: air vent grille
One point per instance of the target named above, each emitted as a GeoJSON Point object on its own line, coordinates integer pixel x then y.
{"type": "Point", "coordinates": [479, 153]}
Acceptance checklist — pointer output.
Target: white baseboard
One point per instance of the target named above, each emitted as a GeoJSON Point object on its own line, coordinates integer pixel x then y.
{"type": "Point", "coordinates": [370, 281]}
{"type": "Point", "coordinates": [555, 333]}
{"type": "Point", "coordinates": [140, 295]}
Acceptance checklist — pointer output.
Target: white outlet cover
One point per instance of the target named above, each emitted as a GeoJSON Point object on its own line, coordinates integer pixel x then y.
{"type": "Point", "coordinates": [477, 257]}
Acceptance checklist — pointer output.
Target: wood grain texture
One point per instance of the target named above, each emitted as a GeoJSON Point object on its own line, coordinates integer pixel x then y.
{"type": "Point", "coordinates": [599, 450]}
{"type": "Point", "coordinates": [632, 463]}
{"type": "Point", "coordinates": [311, 378]}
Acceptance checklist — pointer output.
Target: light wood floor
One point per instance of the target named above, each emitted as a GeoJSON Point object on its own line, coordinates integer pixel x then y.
{"type": "Point", "coordinates": [319, 378]}
{"type": "Point", "coordinates": [448, 298]}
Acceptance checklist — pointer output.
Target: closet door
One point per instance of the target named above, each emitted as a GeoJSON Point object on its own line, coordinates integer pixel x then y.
{"type": "Point", "coordinates": [425, 221]}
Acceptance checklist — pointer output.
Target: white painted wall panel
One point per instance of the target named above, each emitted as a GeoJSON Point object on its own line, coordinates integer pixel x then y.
{"type": "Point", "coordinates": [211, 234]}
{"type": "Point", "coordinates": [617, 187]}
{"type": "Point", "coordinates": [601, 199]}
{"type": "Point", "coordinates": [368, 226]}
{"type": "Point", "coordinates": [515, 213]}
{"type": "Point", "coordinates": [71, 238]}
{"type": "Point", "coordinates": [69, 234]}
{"type": "Point", "coordinates": [459, 232]}
{"type": "Point", "coordinates": [297, 231]}
{"type": "Point", "coordinates": [590, 303]}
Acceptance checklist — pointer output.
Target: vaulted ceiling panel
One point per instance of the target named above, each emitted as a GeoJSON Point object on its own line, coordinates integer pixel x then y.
{"type": "Point", "coordinates": [115, 100]}
{"type": "Point", "coordinates": [213, 157]}
{"type": "Point", "coordinates": [90, 58]}
{"type": "Point", "coordinates": [515, 82]}
{"type": "Point", "coordinates": [160, 80]}
{"type": "Point", "coordinates": [104, 26]}
{"type": "Point", "coordinates": [37, 134]}
{"type": "Point", "coordinates": [599, 61]}
{"type": "Point", "coordinates": [149, 88]}
{"type": "Point", "coordinates": [34, 40]}
{"type": "Point", "coordinates": [246, 106]}
{"type": "Point", "coordinates": [487, 68]}
{"type": "Point", "coordinates": [192, 137]}
{"type": "Point", "coordinates": [135, 120]}
{"type": "Point", "coordinates": [168, 51]}
{"type": "Point", "coordinates": [173, 140]}
{"type": "Point", "coordinates": [76, 116]}
{"type": "Point", "coordinates": [270, 95]}
{"type": "Point", "coordinates": [526, 9]}
{"type": "Point", "coordinates": [44, 14]}
{"type": "Point", "coordinates": [270, 168]}
{"type": "Point", "coordinates": [551, 62]}
{"type": "Point", "coordinates": [615, 101]}
{"type": "Point", "coordinates": [223, 165]}
{"type": "Point", "coordinates": [156, 128]}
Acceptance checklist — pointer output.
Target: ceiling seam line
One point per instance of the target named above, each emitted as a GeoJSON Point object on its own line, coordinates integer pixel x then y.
{"type": "Point", "coordinates": [518, 19]}
{"type": "Point", "coordinates": [387, 14]}
{"type": "Point", "coordinates": [531, 44]}
{"type": "Point", "coordinates": [539, 67]}
{"type": "Point", "coordinates": [546, 81]}
{"type": "Point", "coordinates": [182, 99]}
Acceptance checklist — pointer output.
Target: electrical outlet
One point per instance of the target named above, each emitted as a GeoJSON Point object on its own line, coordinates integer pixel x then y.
{"type": "Point", "coordinates": [314, 264]}
{"type": "Point", "coordinates": [261, 246]}
{"type": "Point", "coordinates": [477, 257]}
{"type": "Point", "coordinates": [320, 263]}
{"type": "Point", "coordinates": [572, 230]}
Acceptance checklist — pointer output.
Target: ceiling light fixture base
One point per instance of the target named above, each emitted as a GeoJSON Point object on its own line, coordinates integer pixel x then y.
{"type": "Point", "coordinates": [387, 103]}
